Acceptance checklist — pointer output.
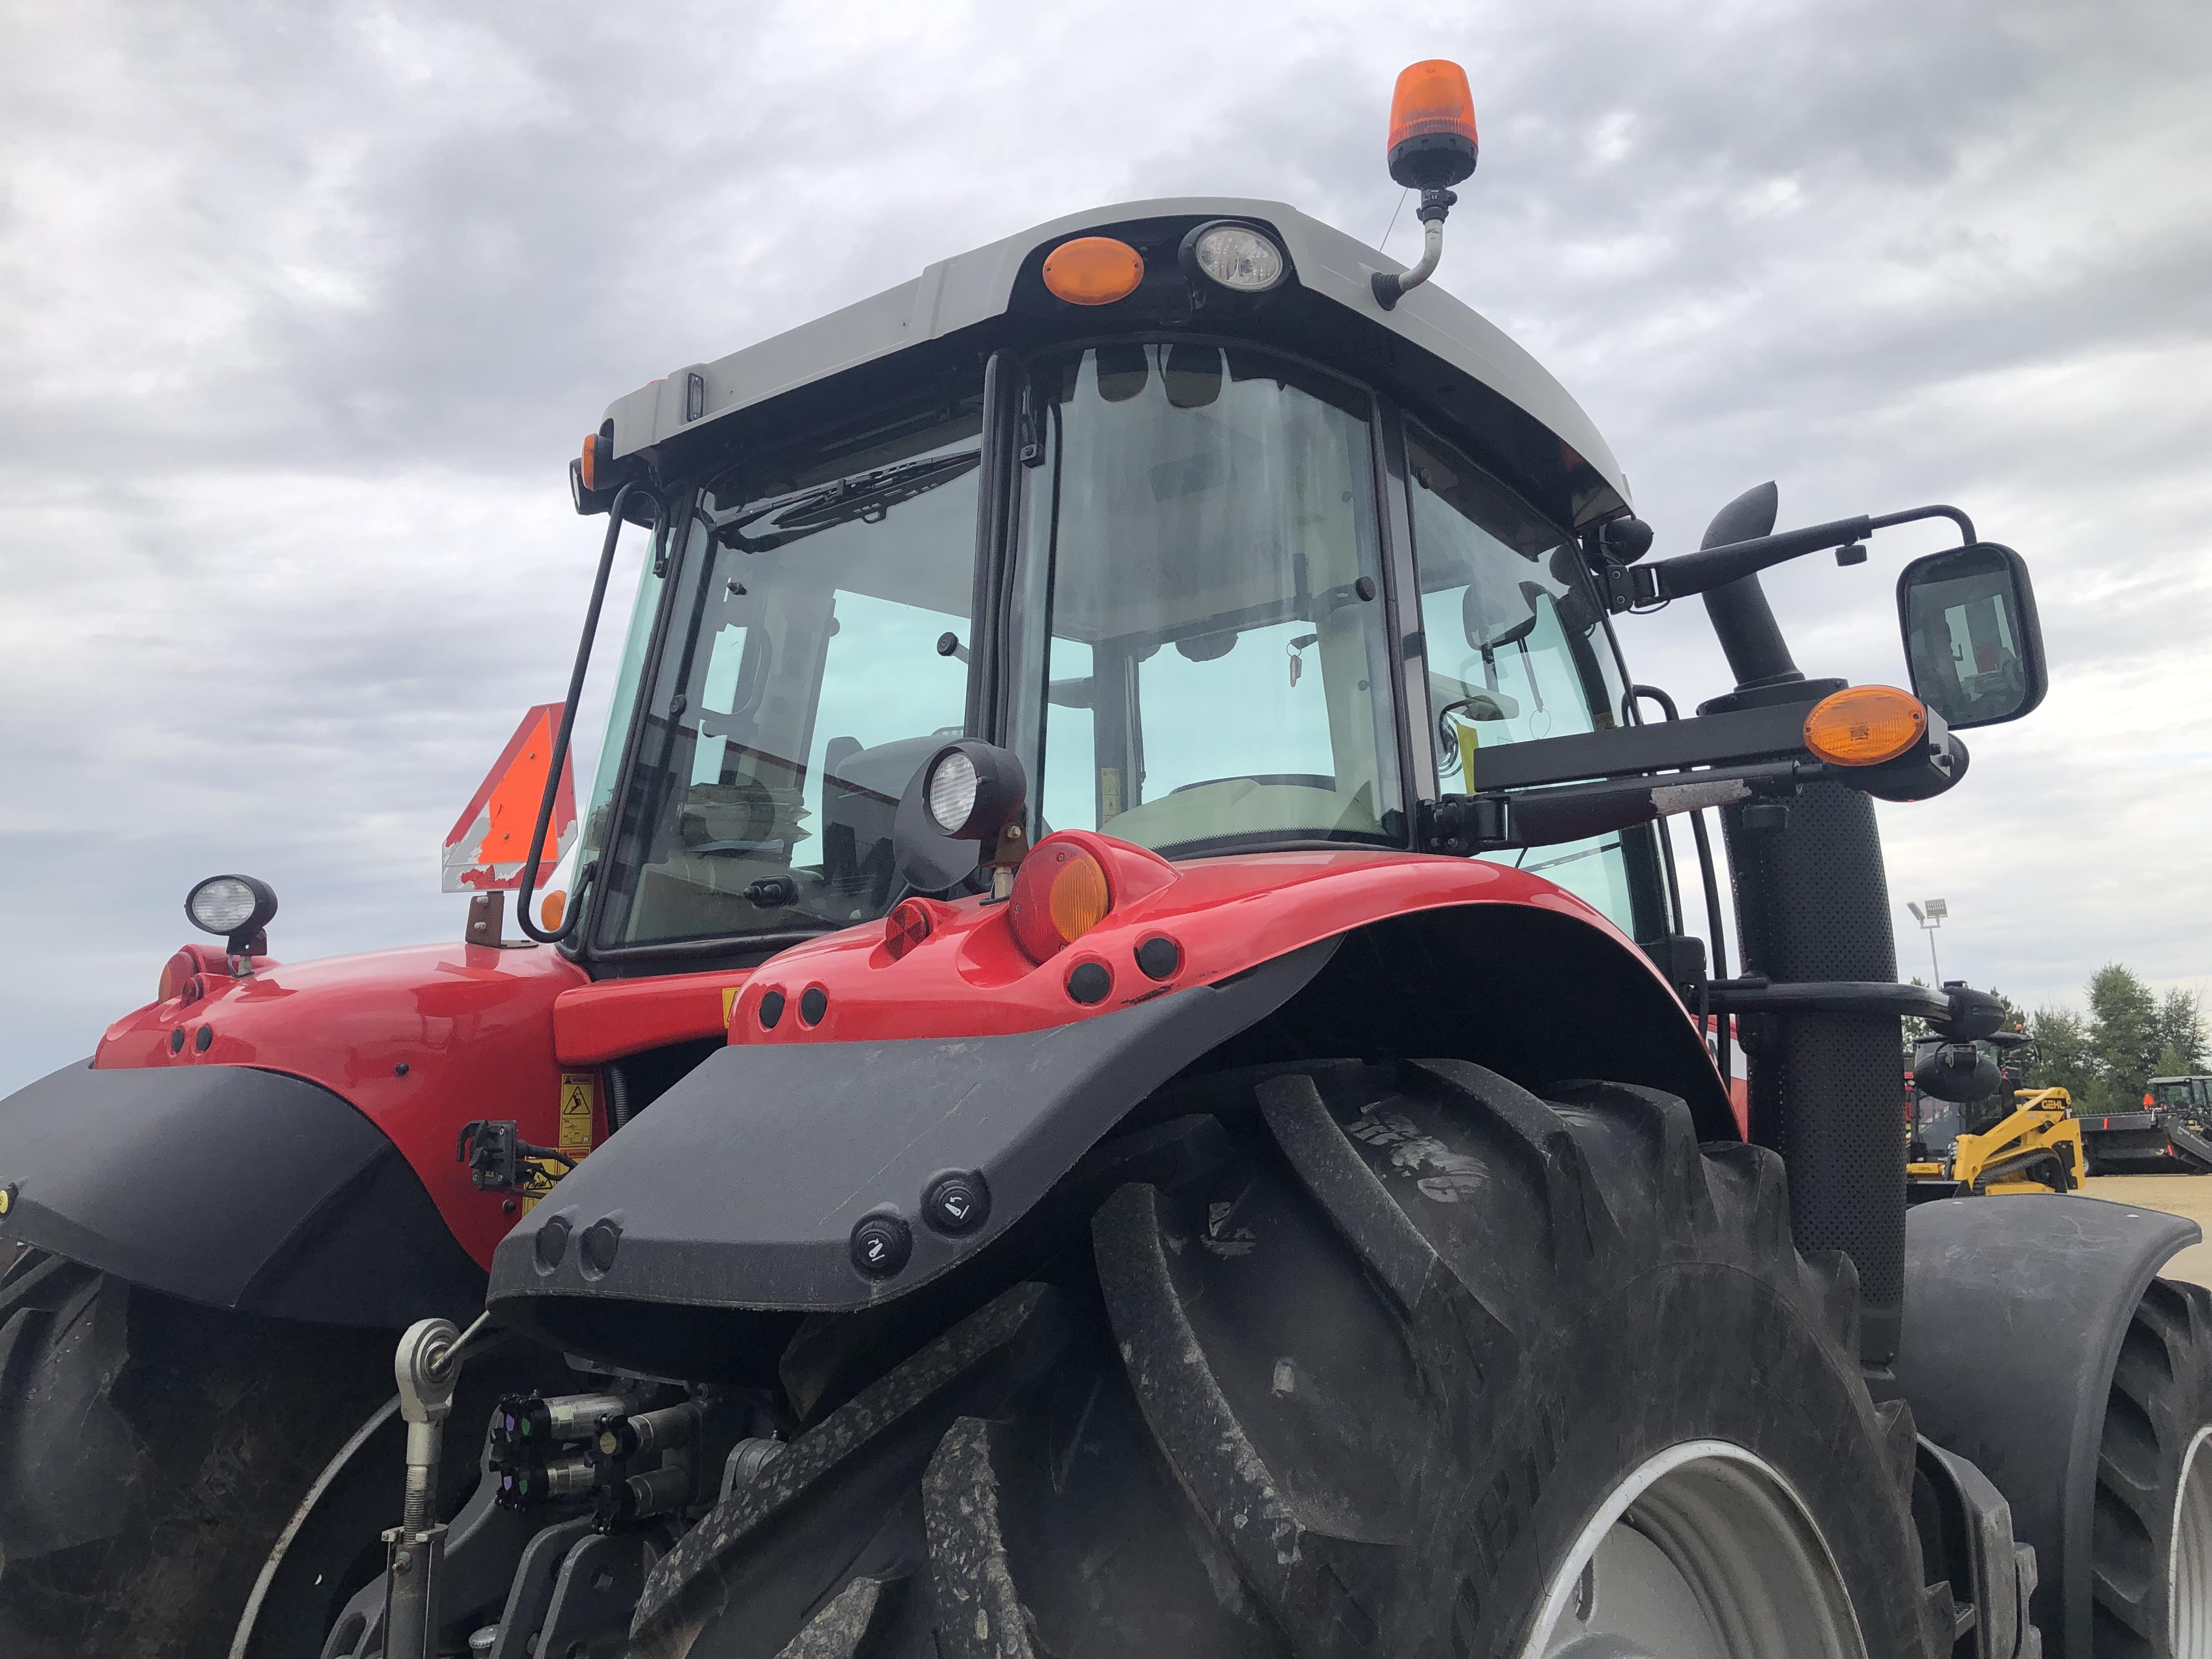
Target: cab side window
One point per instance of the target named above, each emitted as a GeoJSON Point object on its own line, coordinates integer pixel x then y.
{"type": "Point", "coordinates": [1516, 648]}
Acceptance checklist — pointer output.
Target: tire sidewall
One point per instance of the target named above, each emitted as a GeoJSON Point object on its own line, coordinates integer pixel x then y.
{"type": "Point", "coordinates": [1604, 1393]}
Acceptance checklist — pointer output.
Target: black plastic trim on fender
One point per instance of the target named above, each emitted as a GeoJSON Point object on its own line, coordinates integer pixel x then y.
{"type": "Point", "coordinates": [2014, 1309]}
{"type": "Point", "coordinates": [742, 1186]}
{"type": "Point", "coordinates": [230, 1186]}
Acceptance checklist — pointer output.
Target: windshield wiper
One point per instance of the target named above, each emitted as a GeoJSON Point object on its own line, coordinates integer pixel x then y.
{"type": "Point", "coordinates": [865, 496]}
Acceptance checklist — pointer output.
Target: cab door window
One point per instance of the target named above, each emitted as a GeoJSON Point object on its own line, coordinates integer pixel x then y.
{"type": "Point", "coordinates": [1516, 648]}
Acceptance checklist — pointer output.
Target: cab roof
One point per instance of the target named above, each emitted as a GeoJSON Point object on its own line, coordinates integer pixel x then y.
{"type": "Point", "coordinates": [972, 289]}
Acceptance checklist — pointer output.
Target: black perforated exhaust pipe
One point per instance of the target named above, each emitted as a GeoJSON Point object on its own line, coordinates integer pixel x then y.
{"type": "Point", "coordinates": [1812, 902]}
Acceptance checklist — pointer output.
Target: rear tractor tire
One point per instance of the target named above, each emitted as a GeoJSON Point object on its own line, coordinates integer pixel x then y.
{"type": "Point", "coordinates": [1362, 1361]}
{"type": "Point", "coordinates": [150, 1451]}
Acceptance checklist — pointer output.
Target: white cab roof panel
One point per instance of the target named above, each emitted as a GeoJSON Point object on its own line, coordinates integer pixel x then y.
{"type": "Point", "coordinates": [971, 288]}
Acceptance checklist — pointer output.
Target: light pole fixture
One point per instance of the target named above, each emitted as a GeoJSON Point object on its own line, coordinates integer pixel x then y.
{"type": "Point", "coordinates": [1929, 914]}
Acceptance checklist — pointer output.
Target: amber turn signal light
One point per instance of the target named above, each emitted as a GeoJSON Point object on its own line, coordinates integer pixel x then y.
{"type": "Point", "coordinates": [1060, 895]}
{"type": "Point", "coordinates": [591, 460]}
{"type": "Point", "coordinates": [1865, 726]}
{"type": "Point", "coordinates": [1093, 271]}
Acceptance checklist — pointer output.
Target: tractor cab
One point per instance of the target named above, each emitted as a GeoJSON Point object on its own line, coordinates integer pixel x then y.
{"type": "Point", "coordinates": [1213, 575]}
{"type": "Point", "coordinates": [2189, 1097]}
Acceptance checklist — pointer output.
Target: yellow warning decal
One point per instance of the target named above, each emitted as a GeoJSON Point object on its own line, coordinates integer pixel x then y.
{"type": "Point", "coordinates": [579, 1101]}
{"type": "Point", "coordinates": [730, 995]}
{"type": "Point", "coordinates": [579, 1094]}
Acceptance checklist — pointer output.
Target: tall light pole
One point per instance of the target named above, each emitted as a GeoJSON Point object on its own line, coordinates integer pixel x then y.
{"type": "Point", "coordinates": [1929, 914]}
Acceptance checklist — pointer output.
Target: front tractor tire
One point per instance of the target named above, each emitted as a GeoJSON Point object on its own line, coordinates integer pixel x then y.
{"type": "Point", "coordinates": [150, 1451]}
{"type": "Point", "coordinates": [1360, 1361]}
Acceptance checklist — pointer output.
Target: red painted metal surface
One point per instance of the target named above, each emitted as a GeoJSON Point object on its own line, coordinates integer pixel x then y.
{"type": "Point", "coordinates": [595, 1024]}
{"type": "Point", "coordinates": [472, 1025]}
{"type": "Point", "coordinates": [487, 1033]}
{"type": "Point", "coordinates": [969, 977]}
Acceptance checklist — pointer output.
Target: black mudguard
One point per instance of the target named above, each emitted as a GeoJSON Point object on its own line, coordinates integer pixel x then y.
{"type": "Point", "coordinates": [742, 1186]}
{"type": "Point", "coordinates": [2014, 1309]}
{"type": "Point", "coordinates": [230, 1186]}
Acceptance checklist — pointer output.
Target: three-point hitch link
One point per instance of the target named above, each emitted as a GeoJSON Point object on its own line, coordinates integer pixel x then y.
{"type": "Point", "coordinates": [427, 1367]}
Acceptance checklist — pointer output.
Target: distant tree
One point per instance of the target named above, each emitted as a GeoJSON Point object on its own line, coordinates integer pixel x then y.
{"type": "Point", "coordinates": [2125, 1032]}
{"type": "Point", "coordinates": [2068, 1057]}
{"type": "Point", "coordinates": [2180, 1034]}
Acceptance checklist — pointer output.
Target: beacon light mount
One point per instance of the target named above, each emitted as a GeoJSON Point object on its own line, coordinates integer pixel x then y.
{"type": "Point", "coordinates": [1432, 147]}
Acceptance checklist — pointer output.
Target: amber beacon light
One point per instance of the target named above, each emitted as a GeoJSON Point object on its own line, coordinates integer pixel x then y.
{"type": "Point", "coordinates": [1431, 147]}
{"type": "Point", "coordinates": [1432, 139]}
{"type": "Point", "coordinates": [1093, 271]}
{"type": "Point", "coordinates": [1865, 726]}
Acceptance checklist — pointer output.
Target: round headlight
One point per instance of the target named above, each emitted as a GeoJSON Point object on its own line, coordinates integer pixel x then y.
{"type": "Point", "coordinates": [1238, 258]}
{"type": "Point", "coordinates": [951, 795]}
{"type": "Point", "coordinates": [230, 905]}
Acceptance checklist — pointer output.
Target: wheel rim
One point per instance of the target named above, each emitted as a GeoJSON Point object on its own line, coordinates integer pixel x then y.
{"type": "Point", "coordinates": [2189, 1567]}
{"type": "Point", "coordinates": [1703, 1553]}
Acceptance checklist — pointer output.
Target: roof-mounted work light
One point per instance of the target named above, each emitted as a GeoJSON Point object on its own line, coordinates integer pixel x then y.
{"type": "Point", "coordinates": [1432, 147]}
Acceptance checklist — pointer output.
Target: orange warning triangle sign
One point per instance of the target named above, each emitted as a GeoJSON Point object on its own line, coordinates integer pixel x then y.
{"type": "Point", "coordinates": [486, 846]}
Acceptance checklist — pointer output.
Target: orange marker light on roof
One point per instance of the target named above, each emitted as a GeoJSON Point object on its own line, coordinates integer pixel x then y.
{"type": "Point", "coordinates": [1432, 139]}
{"type": "Point", "coordinates": [1093, 271]}
{"type": "Point", "coordinates": [1865, 726]}
{"type": "Point", "coordinates": [590, 461]}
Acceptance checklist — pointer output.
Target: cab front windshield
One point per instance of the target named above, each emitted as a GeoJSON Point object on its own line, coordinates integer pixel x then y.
{"type": "Point", "coordinates": [814, 654]}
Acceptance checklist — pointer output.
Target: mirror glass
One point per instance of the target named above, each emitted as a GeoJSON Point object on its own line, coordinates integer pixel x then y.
{"type": "Point", "coordinates": [1971, 639]}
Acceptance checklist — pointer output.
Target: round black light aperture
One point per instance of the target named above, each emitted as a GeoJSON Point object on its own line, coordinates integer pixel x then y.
{"type": "Point", "coordinates": [771, 1010]}
{"type": "Point", "coordinates": [1090, 982]}
{"type": "Point", "coordinates": [553, 1242]}
{"type": "Point", "coordinates": [1158, 958]}
{"type": "Point", "coordinates": [601, 1240]}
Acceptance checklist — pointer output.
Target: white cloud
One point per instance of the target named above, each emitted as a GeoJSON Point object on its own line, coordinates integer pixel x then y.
{"type": "Point", "coordinates": [303, 309]}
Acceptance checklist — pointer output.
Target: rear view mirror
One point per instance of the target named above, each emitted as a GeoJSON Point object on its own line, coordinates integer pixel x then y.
{"type": "Point", "coordinates": [1971, 639]}
{"type": "Point", "coordinates": [1477, 623]}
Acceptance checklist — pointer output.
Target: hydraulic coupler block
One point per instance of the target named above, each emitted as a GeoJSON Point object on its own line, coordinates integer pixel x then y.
{"type": "Point", "coordinates": [641, 1497]}
{"type": "Point", "coordinates": [528, 1482]}
{"type": "Point", "coordinates": [532, 1420]}
{"type": "Point", "coordinates": [650, 1431]}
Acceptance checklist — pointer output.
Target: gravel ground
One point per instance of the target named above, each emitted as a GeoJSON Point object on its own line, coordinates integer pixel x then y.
{"type": "Point", "coordinates": [2177, 1194]}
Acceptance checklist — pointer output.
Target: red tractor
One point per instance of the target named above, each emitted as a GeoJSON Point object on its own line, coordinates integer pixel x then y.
{"type": "Point", "coordinates": [1150, 1090]}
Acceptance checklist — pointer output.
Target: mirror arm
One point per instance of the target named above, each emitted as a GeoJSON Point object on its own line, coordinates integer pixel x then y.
{"type": "Point", "coordinates": [1715, 566]}
{"type": "Point", "coordinates": [1967, 536]}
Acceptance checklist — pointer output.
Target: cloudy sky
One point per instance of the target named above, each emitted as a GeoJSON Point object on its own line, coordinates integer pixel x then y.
{"type": "Point", "coordinates": [303, 309]}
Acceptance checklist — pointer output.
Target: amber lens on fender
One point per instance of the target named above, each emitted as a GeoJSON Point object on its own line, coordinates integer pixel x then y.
{"type": "Point", "coordinates": [1093, 271]}
{"type": "Point", "coordinates": [1865, 726]}
{"type": "Point", "coordinates": [1060, 895]}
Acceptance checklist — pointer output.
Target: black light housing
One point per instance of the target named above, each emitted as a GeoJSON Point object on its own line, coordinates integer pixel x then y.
{"type": "Point", "coordinates": [237, 908]}
{"type": "Point", "coordinates": [959, 804]}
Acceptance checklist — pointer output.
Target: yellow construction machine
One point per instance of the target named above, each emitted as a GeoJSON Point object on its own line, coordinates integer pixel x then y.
{"type": "Point", "coordinates": [1993, 1135]}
